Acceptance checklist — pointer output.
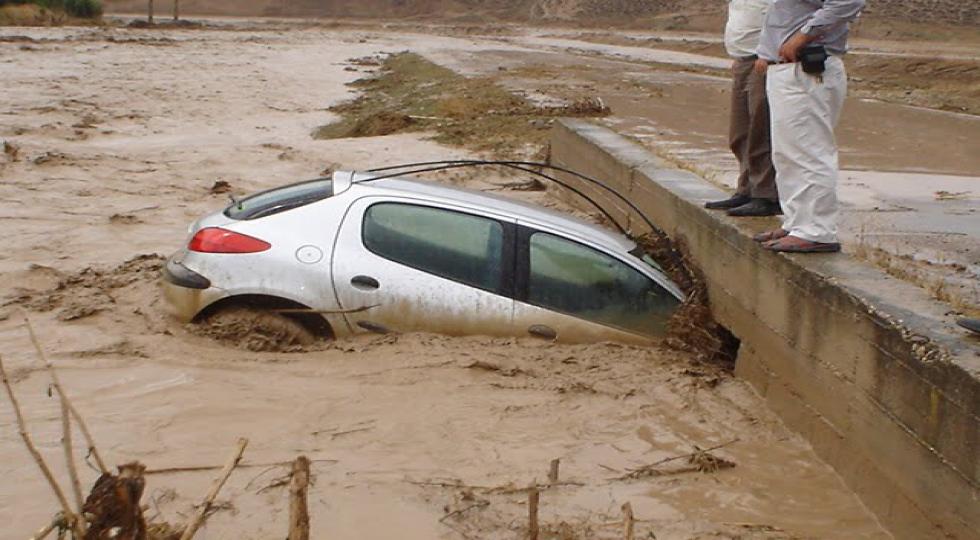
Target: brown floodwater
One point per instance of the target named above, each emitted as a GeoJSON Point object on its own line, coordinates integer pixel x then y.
{"type": "Point", "coordinates": [119, 136]}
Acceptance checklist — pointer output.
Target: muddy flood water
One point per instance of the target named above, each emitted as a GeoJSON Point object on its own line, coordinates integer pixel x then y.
{"type": "Point", "coordinates": [115, 138]}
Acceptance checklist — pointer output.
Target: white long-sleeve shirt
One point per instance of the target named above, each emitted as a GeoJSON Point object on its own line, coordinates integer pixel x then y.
{"type": "Point", "coordinates": [745, 21]}
{"type": "Point", "coordinates": [827, 20]}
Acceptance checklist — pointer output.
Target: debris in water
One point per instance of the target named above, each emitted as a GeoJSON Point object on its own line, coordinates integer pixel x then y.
{"type": "Point", "coordinates": [124, 219]}
{"type": "Point", "coordinates": [10, 150]}
{"type": "Point", "coordinates": [488, 366]}
{"type": "Point", "coordinates": [113, 506]}
{"type": "Point", "coordinates": [219, 187]}
{"type": "Point", "coordinates": [944, 195]}
{"type": "Point", "coordinates": [700, 460]}
{"type": "Point", "coordinates": [692, 328]}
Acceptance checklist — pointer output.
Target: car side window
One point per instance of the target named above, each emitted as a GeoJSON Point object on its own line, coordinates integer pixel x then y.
{"type": "Point", "coordinates": [577, 280]}
{"type": "Point", "coordinates": [454, 245]}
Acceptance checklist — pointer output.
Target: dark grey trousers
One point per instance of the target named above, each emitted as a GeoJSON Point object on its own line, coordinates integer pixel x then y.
{"type": "Point", "coordinates": [748, 133]}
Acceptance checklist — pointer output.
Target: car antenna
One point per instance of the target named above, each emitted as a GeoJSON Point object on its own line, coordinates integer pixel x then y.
{"type": "Point", "coordinates": [234, 201]}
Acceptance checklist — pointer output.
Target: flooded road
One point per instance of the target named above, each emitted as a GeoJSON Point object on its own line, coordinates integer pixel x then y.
{"type": "Point", "coordinates": [116, 138]}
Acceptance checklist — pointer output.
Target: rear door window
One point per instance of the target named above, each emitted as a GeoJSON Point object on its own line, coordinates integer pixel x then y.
{"type": "Point", "coordinates": [572, 278]}
{"type": "Point", "coordinates": [453, 245]}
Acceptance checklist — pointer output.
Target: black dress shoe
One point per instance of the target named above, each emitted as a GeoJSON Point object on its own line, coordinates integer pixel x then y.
{"type": "Point", "coordinates": [757, 207]}
{"type": "Point", "coordinates": [734, 202]}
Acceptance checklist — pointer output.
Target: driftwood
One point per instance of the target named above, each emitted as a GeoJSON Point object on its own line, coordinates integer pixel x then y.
{"type": "Point", "coordinates": [553, 471]}
{"type": "Point", "coordinates": [56, 384]}
{"type": "Point", "coordinates": [57, 523]}
{"type": "Point", "coordinates": [299, 516]}
{"type": "Point", "coordinates": [216, 486]}
{"type": "Point", "coordinates": [533, 498]}
{"type": "Point", "coordinates": [76, 485]}
{"type": "Point", "coordinates": [114, 505]}
{"type": "Point", "coordinates": [198, 468]}
{"type": "Point", "coordinates": [461, 511]}
{"type": "Point", "coordinates": [66, 442]}
{"type": "Point", "coordinates": [701, 459]}
{"type": "Point", "coordinates": [70, 517]}
{"type": "Point", "coordinates": [628, 522]}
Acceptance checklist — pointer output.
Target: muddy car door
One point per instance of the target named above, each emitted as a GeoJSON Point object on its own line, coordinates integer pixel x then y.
{"type": "Point", "coordinates": [569, 291]}
{"type": "Point", "coordinates": [407, 265]}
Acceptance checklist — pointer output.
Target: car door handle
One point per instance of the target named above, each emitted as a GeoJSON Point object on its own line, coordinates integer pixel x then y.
{"type": "Point", "coordinates": [365, 283]}
{"type": "Point", "coordinates": [542, 331]}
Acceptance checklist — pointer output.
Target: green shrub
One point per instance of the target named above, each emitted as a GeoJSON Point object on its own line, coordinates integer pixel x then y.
{"type": "Point", "coordinates": [83, 8]}
{"type": "Point", "coordinates": [75, 8]}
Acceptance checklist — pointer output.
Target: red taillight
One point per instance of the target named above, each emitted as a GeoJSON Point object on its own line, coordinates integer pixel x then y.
{"type": "Point", "coordinates": [216, 240]}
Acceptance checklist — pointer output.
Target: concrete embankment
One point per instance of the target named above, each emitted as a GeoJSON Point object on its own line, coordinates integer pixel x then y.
{"type": "Point", "coordinates": [868, 368]}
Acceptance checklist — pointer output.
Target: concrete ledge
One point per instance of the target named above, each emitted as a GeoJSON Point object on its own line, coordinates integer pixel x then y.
{"type": "Point", "coordinates": [867, 367]}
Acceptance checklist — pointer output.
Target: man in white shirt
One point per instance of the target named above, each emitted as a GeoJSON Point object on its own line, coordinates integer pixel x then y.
{"type": "Point", "coordinates": [748, 132]}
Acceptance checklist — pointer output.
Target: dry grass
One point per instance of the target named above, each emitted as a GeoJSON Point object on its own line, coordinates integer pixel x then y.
{"type": "Point", "coordinates": [29, 15]}
{"type": "Point", "coordinates": [409, 93]}
{"type": "Point", "coordinates": [34, 15]}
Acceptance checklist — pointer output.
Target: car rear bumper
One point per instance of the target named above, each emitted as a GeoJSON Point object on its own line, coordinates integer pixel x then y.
{"type": "Point", "coordinates": [186, 291]}
{"type": "Point", "coordinates": [177, 274]}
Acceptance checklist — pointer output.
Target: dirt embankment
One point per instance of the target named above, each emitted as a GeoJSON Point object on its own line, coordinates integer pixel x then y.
{"type": "Point", "coordinates": [34, 15]}
{"type": "Point", "coordinates": [410, 93]}
{"type": "Point", "coordinates": [456, 9]}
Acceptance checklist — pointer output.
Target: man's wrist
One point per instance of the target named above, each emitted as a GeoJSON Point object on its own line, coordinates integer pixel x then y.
{"type": "Point", "coordinates": [809, 33]}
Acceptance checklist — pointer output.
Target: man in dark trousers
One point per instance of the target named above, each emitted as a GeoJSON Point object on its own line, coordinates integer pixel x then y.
{"type": "Point", "coordinates": [748, 131]}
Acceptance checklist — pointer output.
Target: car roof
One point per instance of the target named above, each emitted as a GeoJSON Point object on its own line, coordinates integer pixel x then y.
{"type": "Point", "coordinates": [498, 204]}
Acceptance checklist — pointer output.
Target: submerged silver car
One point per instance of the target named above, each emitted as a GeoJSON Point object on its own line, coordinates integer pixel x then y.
{"type": "Point", "coordinates": [349, 254]}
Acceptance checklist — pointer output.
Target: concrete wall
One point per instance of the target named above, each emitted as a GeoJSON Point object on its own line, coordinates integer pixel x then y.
{"type": "Point", "coordinates": [866, 367]}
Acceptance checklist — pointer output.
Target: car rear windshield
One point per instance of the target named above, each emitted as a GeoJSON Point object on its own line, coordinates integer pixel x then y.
{"type": "Point", "coordinates": [280, 199]}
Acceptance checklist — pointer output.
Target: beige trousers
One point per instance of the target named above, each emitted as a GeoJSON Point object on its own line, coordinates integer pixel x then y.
{"type": "Point", "coordinates": [804, 111]}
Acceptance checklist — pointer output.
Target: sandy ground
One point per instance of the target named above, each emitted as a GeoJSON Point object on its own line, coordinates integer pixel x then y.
{"type": "Point", "coordinates": [119, 134]}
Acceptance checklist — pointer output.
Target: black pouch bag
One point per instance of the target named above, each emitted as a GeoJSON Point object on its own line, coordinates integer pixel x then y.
{"type": "Point", "coordinates": [812, 58]}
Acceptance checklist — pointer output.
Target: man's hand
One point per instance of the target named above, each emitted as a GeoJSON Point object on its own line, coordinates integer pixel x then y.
{"type": "Point", "coordinates": [791, 49]}
{"type": "Point", "coordinates": [760, 67]}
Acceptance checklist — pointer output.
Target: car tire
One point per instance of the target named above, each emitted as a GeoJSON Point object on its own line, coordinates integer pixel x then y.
{"type": "Point", "coordinates": [257, 330]}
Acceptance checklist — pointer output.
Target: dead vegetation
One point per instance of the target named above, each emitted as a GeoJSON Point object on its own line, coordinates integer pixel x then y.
{"type": "Point", "coordinates": [692, 328]}
{"type": "Point", "coordinates": [699, 460]}
{"type": "Point", "coordinates": [112, 509]}
{"type": "Point", "coordinates": [410, 93]}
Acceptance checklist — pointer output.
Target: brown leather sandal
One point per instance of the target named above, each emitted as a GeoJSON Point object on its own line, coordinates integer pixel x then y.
{"type": "Point", "coordinates": [792, 244]}
{"type": "Point", "coordinates": [769, 236]}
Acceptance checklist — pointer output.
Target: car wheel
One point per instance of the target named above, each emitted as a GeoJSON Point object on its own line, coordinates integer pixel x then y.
{"type": "Point", "coordinates": [257, 330]}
